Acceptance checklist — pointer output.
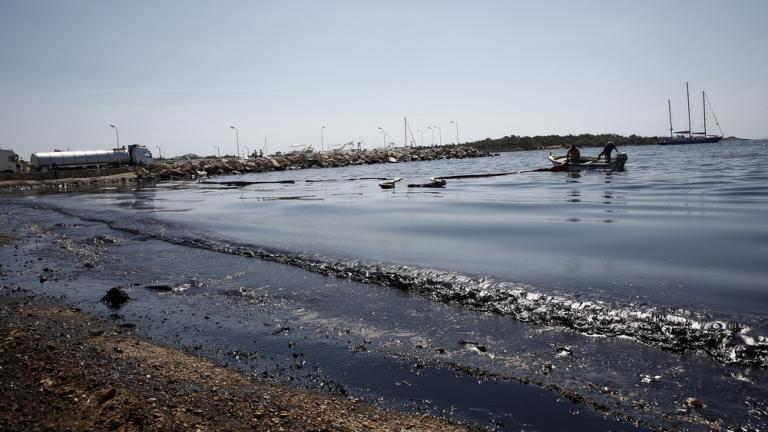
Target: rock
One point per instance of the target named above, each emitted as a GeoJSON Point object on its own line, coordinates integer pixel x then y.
{"type": "Point", "coordinates": [115, 298]}
{"type": "Point", "coordinates": [164, 170]}
{"type": "Point", "coordinates": [692, 402]}
{"type": "Point", "coordinates": [648, 379]}
{"type": "Point", "coordinates": [107, 394]}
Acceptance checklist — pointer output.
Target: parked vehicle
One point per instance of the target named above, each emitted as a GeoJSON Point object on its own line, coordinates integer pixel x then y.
{"type": "Point", "coordinates": [9, 161]}
{"type": "Point", "coordinates": [134, 155]}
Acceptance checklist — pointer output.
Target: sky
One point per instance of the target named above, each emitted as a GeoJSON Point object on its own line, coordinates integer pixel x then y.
{"type": "Point", "coordinates": [176, 75]}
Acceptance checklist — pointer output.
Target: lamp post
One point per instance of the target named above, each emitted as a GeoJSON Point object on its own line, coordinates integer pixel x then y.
{"type": "Point", "coordinates": [117, 135]}
{"type": "Point", "coordinates": [218, 151]}
{"type": "Point", "coordinates": [457, 131]}
{"type": "Point", "coordinates": [237, 140]}
{"type": "Point", "coordinates": [385, 136]}
{"type": "Point", "coordinates": [322, 139]}
{"type": "Point", "coordinates": [159, 152]}
{"type": "Point", "coordinates": [440, 132]}
{"type": "Point", "coordinates": [421, 132]}
{"type": "Point", "coordinates": [433, 134]}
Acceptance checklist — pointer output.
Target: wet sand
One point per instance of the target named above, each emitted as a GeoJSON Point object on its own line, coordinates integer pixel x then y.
{"type": "Point", "coordinates": [61, 369]}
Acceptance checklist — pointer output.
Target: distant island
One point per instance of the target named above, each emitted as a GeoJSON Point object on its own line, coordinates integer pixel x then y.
{"type": "Point", "coordinates": [514, 142]}
{"type": "Point", "coordinates": [540, 142]}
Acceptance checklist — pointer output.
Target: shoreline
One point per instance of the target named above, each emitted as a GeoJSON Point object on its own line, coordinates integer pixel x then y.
{"type": "Point", "coordinates": [64, 369]}
{"type": "Point", "coordinates": [46, 262]}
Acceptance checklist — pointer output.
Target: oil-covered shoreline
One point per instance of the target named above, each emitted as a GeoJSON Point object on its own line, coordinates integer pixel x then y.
{"type": "Point", "coordinates": [49, 271]}
{"type": "Point", "coordinates": [63, 369]}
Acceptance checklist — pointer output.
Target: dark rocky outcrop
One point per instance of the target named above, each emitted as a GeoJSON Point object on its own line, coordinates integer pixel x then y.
{"type": "Point", "coordinates": [193, 168]}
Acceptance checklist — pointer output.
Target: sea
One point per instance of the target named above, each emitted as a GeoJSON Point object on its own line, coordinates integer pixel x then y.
{"type": "Point", "coordinates": [534, 300]}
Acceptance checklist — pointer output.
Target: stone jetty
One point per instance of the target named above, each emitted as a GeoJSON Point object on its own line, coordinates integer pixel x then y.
{"type": "Point", "coordinates": [191, 168]}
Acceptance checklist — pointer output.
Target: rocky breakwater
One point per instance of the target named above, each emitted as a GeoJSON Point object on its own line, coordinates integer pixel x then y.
{"type": "Point", "coordinates": [192, 168]}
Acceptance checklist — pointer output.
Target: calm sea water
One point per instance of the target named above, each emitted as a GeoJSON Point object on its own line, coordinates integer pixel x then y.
{"type": "Point", "coordinates": [652, 267]}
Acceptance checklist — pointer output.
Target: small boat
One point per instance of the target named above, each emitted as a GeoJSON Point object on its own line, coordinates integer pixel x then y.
{"type": "Point", "coordinates": [587, 162]}
{"type": "Point", "coordinates": [688, 136]}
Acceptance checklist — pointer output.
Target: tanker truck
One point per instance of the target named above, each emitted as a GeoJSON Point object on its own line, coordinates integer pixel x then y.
{"type": "Point", "coordinates": [134, 155]}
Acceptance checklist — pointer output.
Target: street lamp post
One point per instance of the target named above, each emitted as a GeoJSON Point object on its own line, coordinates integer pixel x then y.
{"type": "Point", "coordinates": [218, 151]}
{"type": "Point", "coordinates": [385, 136]}
{"type": "Point", "coordinates": [237, 140]}
{"type": "Point", "coordinates": [457, 131]}
{"type": "Point", "coordinates": [433, 134]}
{"type": "Point", "coordinates": [322, 139]}
{"type": "Point", "coordinates": [159, 152]}
{"type": "Point", "coordinates": [117, 135]}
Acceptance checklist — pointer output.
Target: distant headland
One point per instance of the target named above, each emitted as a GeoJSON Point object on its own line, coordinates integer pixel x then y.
{"type": "Point", "coordinates": [539, 142]}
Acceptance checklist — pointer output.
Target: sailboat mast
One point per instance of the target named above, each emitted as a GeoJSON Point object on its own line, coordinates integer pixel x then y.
{"type": "Point", "coordinates": [405, 132]}
{"type": "Point", "coordinates": [669, 106]}
{"type": "Point", "coordinates": [688, 99]}
{"type": "Point", "coordinates": [704, 110]}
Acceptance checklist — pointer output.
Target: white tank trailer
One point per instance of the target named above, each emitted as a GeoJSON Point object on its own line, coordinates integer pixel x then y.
{"type": "Point", "coordinates": [134, 155]}
{"type": "Point", "coordinates": [9, 161]}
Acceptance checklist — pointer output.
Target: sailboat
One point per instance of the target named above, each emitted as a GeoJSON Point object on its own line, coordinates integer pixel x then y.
{"type": "Point", "coordinates": [688, 136]}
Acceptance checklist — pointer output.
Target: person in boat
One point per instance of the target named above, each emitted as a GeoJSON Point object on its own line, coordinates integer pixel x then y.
{"type": "Point", "coordinates": [607, 150]}
{"type": "Point", "coordinates": [573, 154]}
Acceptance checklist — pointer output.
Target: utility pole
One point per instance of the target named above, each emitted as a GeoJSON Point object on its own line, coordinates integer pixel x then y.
{"type": "Point", "coordinates": [117, 135]}
{"type": "Point", "coordinates": [237, 140]}
{"type": "Point", "coordinates": [457, 131]}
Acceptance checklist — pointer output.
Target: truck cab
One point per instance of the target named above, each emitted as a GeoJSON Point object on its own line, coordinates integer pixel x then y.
{"type": "Point", "coordinates": [140, 155]}
{"type": "Point", "coordinates": [9, 161]}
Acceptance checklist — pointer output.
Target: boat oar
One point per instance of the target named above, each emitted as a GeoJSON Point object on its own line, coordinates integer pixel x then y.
{"type": "Point", "coordinates": [557, 168]}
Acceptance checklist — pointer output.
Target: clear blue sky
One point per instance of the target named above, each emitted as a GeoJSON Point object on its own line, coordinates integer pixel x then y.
{"type": "Point", "coordinates": [177, 74]}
